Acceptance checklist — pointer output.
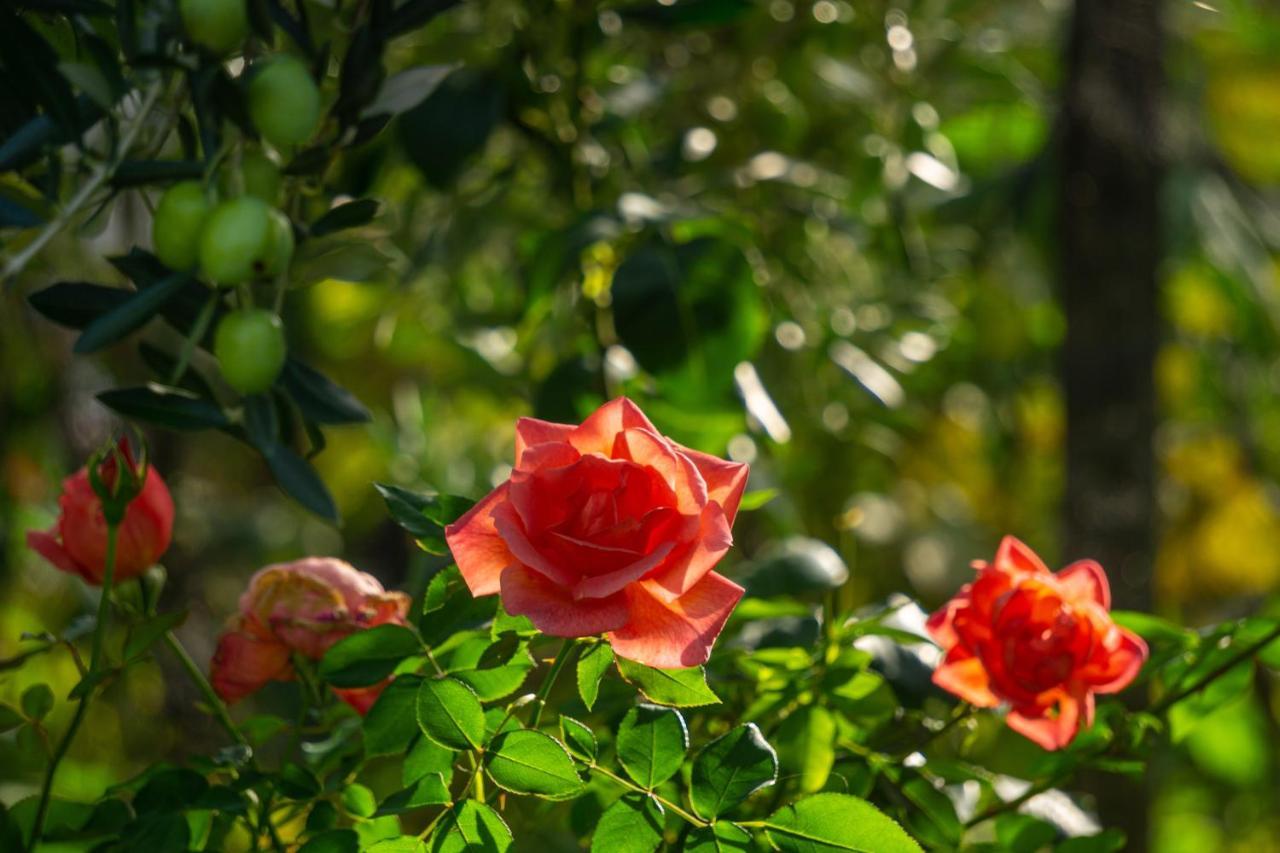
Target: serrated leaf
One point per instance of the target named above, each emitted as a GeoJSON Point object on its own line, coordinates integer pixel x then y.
{"type": "Point", "coordinates": [423, 515]}
{"type": "Point", "coordinates": [731, 768]}
{"type": "Point", "coordinates": [680, 688]}
{"type": "Point", "coordinates": [836, 822]}
{"type": "Point", "coordinates": [720, 837]}
{"type": "Point", "coordinates": [471, 826]}
{"type": "Point", "coordinates": [593, 663]}
{"type": "Point", "coordinates": [424, 757]}
{"type": "Point", "coordinates": [633, 824]}
{"type": "Point", "coordinates": [579, 738]}
{"type": "Point", "coordinates": [392, 723]}
{"type": "Point", "coordinates": [141, 637]}
{"type": "Point", "coordinates": [450, 713]}
{"type": "Point", "coordinates": [428, 790]}
{"type": "Point", "coordinates": [651, 744]}
{"type": "Point", "coordinates": [367, 657]}
{"type": "Point", "coordinates": [531, 762]}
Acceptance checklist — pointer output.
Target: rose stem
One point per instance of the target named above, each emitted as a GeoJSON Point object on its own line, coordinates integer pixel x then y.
{"type": "Point", "coordinates": [562, 658]}
{"type": "Point", "coordinates": [95, 660]}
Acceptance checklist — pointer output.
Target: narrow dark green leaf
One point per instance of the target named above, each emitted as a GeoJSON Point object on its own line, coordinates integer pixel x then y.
{"type": "Point", "coordinates": [367, 657]}
{"type": "Point", "coordinates": [450, 713]}
{"type": "Point", "coordinates": [680, 688]}
{"type": "Point", "coordinates": [131, 314]}
{"type": "Point", "coordinates": [473, 827]}
{"type": "Point", "coordinates": [530, 762]}
{"type": "Point", "coordinates": [319, 399]}
{"type": "Point", "coordinates": [134, 173]}
{"type": "Point", "coordinates": [166, 406]}
{"type": "Point", "coordinates": [593, 663]}
{"type": "Point", "coordinates": [406, 89]}
{"type": "Point", "coordinates": [300, 481]}
{"type": "Point", "coordinates": [350, 215]}
{"type": "Point", "coordinates": [836, 822]}
{"type": "Point", "coordinates": [731, 768]}
{"type": "Point", "coordinates": [76, 304]}
{"type": "Point", "coordinates": [651, 744]}
{"type": "Point", "coordinates": [633, 824]}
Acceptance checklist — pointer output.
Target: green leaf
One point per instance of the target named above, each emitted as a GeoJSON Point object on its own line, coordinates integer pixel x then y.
{"type": "Point", "coordinates": [720, 837]}
{"type": "Point", "coordinates": [428, 790]}
{"type": "Point", "coordinates": [756, 499]}
{"type": "Point", "coordinates": [473, 827]}
{"type": "Point", "coordinates": [9, 718]}
{"type": "Point", "coordinates": [299, 480]}
{"type": "Point", "coordinates": [935, 815]}
{"type": "Point", "coordinates": [450, 714]}
{"type": "Point", "coordinates": [506, 669]}
{"type": "Point", "coordinates": [452, 124]}
{"type": "Point", "coordinates": [341, 258]}
{"type": "Point", "coordinates": [680, 688]}
{"type": "Point", "coordinates": [530, 762]}
{"type": "Point", "coordinates": [167, 831]}
{"type": "Point", "coordinates": [836, 822]}
{"type": "Point", "coordinates": [808, 736]}
{"type": "Point", "coordinates": [593, 663]}
{"type": "Point", "coordinates": [333, 841]}
{"type": "Point", "coordinates": [651, 744]}
{"type": "Point", "coordinates": [403, 844]}
{"type": "Point", "coordinates": [405, 90]}
{"type": "Point", "coordinates": [358, 800]}
{"type": "Point", "coordinates": [298, 783]}
{"type": "Point", "coordinates": [164, 405]}
{"type": "Point", "coordinates": [350, 215]}
{"type": "Point", "coordinates": [798, 565]}
{"type": "Point", "coordinates": [392, 723]}
{"type": "Point", "coordinates": [76, 304]}
{"type": "Point", "coordinates": [143, 636]}
{"type": "Point", "coordinates": [367, 657]}
{"type": "Point", "coordinates": [449, 607]}
{"type": "Point", "coordinates": [426, 756]}
{"type": "Point", "coordinates": [172, 790]}
{"type": "Point", "coordinates": [633, 824]}
{"type": "Point", "coordinates": [129, 315]}
{"type": "Point", "coordinates": [424, 515]}
{"type": "Point", "coordinates": [579, 738]}
{"type": "Point", "coordinates": [37, 701]}
{"type": "Point", "coordinates": [1020, 833]}
{"type": "Point", "coordinates": [731, 768]}
{"type": "Point", "coordinates": [320, 399]}
{"type": "Point", "coordinates": [1107, 841]}
{"type": "Point", "coordinates": [1153, 629]}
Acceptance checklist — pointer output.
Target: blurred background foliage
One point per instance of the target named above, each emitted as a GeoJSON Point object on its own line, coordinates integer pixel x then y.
{"type": "Point", "coordinates": [813, 236]}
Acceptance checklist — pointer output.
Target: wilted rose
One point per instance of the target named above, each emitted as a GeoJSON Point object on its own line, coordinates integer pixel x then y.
{"type": "Point", "coordinates": [608, 527]}
{"type": "Point", "coordinates": [77, 543]}
{"type": "Point", "coordinates": [302, 608]}
{"type": "Point", "coordinates": [1042, 643]}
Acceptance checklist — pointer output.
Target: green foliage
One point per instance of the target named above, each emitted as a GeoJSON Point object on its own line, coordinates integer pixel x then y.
{"type": "Point", "coordinates": [651, 744]}
{"type": "Point", "coordinates": [836, 822]}
{"type": "Point", "coordinates": [680, 688]}
{"type": "Point", "coordinates": [368, 657]}
{"type": "Point", "coordinates": [731, 768]}
{"type": "Point", "coordinates": [529, 762]}
{"type": "Point", "coordinates": [450, 714]}
{"type": "Point", "coordinates": [633, 824]}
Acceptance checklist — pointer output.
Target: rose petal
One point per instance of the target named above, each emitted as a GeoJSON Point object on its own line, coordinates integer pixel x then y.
{"type": "Point", "coordinates": [653, 451]}
{"type": "Point", "coordinates": [1014, 556]}
{"type": "Point", "coordinates": [941, 624]}
{"type": "Point", "coordinates": [600, 586]}
{"type": "Point", "coordinates": [725, 480]}
{"type": "Point", "coordinates": [46, 544]}
{"type": "Point", "coordinates": [532, 431]}
{"type": "Point", "coordinates": [513, 534]}
{"type": "Point", "coordinates": [549, 455]}
{"type": "Point", "coordinates": [242, 664]}
{"type": "Point", "coordinates": [966, 677]}
{"type": "Point", "coordinates": [714, 539]}
{"type": "Point", "coordinates": [675, 634]}
{"type": "Point", "coordinates": [552, 608]}
{"type": "Point", "coordinates": [1048, 732]}
{"type": "Point", "coordinates": [477, 547]}
{"type": "Point", "coordinates": [1116, 663]}
{"type": "Point", "coordinates": [599, 431]}
{"type": "Point", "coordinates": [1086, 581]}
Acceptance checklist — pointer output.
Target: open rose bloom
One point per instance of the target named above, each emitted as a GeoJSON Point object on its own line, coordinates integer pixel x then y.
{"type": "Point", "coordinates": [78, 541]}
{"type": "Point", "coordinates": [608, 528]}
{"type": "Point", "coordinates": [1041, 642]}
{"type": "Point", "coordinates": [302, 608]}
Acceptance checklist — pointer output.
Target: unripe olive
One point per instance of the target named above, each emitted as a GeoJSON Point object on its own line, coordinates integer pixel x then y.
{"type": "Point", "coordinates": [258, 176]}
{"type": "Point", "coordinates": [250, 348]}
{"type": "Point", "coordinates": [284, 102]}
{"type": "Point", "coordinates": [219, 26]}
{"type": "Point", "coordinates": [176, 228]}
{"type": "Point", "coordinates": [279, 250]}
{"type": "Point", "coordinates": [234, 241]}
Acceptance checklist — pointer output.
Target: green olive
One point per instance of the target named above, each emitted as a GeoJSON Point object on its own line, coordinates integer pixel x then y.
{"type": "Point", "coordinates": [258, 176]}
{"type": "Point", "coordinates": [280, 243]}
{"type": "Point", "coordinates": [250, 348]}
{"type": "Point", "coordinates": [235, 239]}
{"type": "Point", "coordinates": [284, 102]}
{"type": "Point", "coordinates": [176, 228]}
{"type": "Point", "coordinates": [219, 26]}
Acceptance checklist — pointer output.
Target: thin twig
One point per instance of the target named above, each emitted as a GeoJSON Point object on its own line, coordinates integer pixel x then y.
{"type": "Point", "coordinates": [1217, 672]}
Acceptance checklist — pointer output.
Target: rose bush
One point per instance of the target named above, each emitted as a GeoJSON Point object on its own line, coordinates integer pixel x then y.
{"type": "Point", "coordinates": [1042, 643]}
{"type": "Point", "coordinates": [78, 541]}
{"type": "Point", "coordinates": [300, 608]}
{"type": "Point", "coordinates": [609, 527]}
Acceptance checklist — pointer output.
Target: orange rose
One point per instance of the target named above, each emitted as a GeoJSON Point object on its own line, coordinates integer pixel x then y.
{"type": "Point", "coordinates": [303, 608]}
{"type": "Point", "coordinates": [78, 542]}
{"type": "Point", "coordinates": [608, 527]}
{"type": "Point", "coordinates": [1043, 643]}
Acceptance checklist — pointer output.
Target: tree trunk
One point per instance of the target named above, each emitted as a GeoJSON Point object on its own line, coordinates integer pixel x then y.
{"type": "Point", "coordinates": [1109, 233]}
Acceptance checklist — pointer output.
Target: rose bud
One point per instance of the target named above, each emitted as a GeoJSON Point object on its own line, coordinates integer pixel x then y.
{"type": "Point", "coordinates": [1041, 643]}
{"type": "Point", "coordinates": [77, 543]}
{"type": "Point", "coordinates": [608, 527]}
{"type": "Point", "coordinates": [302, 608]}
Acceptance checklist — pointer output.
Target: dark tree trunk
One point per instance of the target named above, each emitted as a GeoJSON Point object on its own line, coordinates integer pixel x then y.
{"type": "Point", "coordinates": [1109, 233]}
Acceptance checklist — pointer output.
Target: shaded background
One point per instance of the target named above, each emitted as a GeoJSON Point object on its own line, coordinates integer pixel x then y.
{"type": "Point", "coordinates": [938, 270]}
